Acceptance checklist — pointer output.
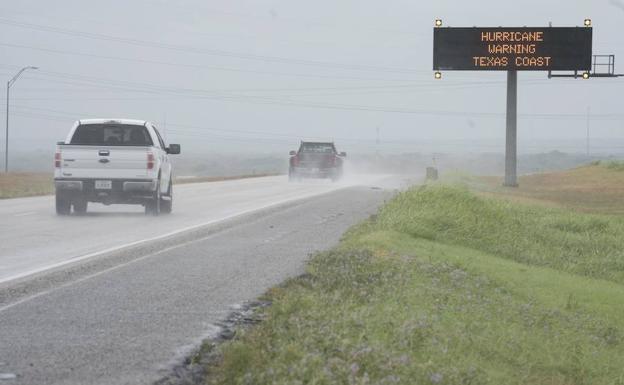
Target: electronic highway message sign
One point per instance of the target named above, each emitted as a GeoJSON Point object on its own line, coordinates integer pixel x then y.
{"type": "Point", "coordinates": [512, 49]}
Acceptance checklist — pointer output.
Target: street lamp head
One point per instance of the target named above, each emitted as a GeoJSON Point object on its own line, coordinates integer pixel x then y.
{"type": "Point", "coordinates": [17, 75]}
{"type": "Point", "coordinates": [6, 139]}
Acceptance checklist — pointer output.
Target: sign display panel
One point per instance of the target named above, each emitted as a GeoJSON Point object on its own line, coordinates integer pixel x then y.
{"type": "Point", "coordinates": [512, 49]}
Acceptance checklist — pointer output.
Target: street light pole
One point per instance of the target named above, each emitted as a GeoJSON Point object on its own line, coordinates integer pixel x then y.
{"type": "Point", "coordinates": [6, 137]}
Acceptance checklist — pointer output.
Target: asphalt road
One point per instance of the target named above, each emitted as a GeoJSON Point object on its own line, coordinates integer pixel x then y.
{"type": "Point", "coordinates": [33, 238]}
{"type": "Point", "coordinates": [127, 315]}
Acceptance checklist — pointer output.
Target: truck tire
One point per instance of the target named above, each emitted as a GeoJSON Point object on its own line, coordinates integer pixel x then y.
{"type": "Point", "coordinates": [63, 204]}
{"type": "Point", "coordinates": [80, 206]}
{"type": "Point", "coordinates": [152, 207]}
{"type": "Point", "coordinates": [166, 202]}
{"type": "Point", "coordinates": [291, 175]}
{"type": "Point", "coordinates": [336, 176]}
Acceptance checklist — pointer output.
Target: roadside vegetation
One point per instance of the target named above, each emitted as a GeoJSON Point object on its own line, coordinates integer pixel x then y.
{"type": "Point", "coordinates": [14, 185]}
{"type": "Point", "coordinates": [596, 188]}
{"type": "Point", "coordinates": [19, 185]}
{"type": "Point", "coordinates": [613, 165]}
{"type": "Point", "coordinates": [450, 286]}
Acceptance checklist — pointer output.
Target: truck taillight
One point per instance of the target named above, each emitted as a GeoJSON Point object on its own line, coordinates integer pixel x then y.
{"type": "Point", "coordinates": [150, 161]}
{"type": "Point", "coordinates": [57, 160]}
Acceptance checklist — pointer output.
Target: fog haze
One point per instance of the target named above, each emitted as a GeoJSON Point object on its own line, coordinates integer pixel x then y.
{"type": "Point", "coordinates": [258, 76]}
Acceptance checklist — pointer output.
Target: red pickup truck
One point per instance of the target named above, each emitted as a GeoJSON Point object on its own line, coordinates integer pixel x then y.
{"type": "Point", "coordinates": [316, 160]}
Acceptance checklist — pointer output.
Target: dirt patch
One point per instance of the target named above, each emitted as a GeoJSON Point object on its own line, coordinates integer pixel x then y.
{"type": "Point", "coordinates": [594, 189]}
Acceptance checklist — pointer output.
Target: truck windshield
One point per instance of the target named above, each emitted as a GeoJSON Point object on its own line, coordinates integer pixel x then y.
{"type": "Point", "coordinates": [111, 135]}
{"type": "Point", "coordinates": [317, 147]}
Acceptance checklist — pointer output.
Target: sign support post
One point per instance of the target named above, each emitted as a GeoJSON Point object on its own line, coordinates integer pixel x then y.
{"type": "Point", "coordinates": [511, 148]}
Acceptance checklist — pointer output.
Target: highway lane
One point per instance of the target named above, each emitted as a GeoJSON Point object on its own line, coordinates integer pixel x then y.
{"type": "Point", "coordinates": [33, 238]}
{"type": "Point", "coordinates": [128, 323]}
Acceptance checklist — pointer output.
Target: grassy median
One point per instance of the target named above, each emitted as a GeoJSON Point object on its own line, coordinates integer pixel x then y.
{"type": "Point", "coordinates": [597, 188]}
{"type": "Point", "coordinates": [23, 184]}
{"type": "Point", "coordinates": [446, 286]}
{"type": "Point", "coordinates": [19, 185]}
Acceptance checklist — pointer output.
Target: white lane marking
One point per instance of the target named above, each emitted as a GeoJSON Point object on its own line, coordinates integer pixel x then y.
{"type": "Point", "coordinates": [25, 214]}
{"type": "Point", "coordinates": [94, 275]}
{"type": "Point", "coordinates": [176, 232]}
{"type": "Point", "coordinates": [45, 292]}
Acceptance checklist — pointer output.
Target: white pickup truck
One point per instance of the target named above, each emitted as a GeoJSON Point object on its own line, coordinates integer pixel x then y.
{"type": "Point", "coordinates": [113, 161]}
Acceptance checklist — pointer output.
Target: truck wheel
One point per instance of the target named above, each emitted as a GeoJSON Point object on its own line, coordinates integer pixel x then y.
{"type": "Point", "coordinates": [80, 206]}
{"type": "Point", "coordinates": [336, 176]}
{"type": "Point", "coordinates": [63, 204]}
{"type": "Point", "coordinates": [166, 202]}
{"type": "Point", "coordinates": [291, 175]}
{"type": "Point", "coordinates": [152, 207]}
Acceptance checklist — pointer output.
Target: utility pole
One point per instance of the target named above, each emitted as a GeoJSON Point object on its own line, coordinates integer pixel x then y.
{"type": "Point", "coordinates": [6, 136]}
{"type": "Point", "coordinates": [511, 150]}
{"type": "Point", "coordinates": [377, 142]}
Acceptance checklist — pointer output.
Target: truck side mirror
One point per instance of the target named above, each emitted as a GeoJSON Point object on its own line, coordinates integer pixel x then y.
{"type": "Point", "coordinates": [343, 154]}
{"type": "Point", "coordinates": [173, 149]}
{"type": "Point", "coordinates": [293, 153]}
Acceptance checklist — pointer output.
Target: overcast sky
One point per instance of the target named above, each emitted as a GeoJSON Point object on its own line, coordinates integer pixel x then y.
{"type": "Point", "coordinates": [243, 75]}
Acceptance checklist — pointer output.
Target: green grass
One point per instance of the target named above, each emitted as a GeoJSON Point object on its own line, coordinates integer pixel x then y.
{"type": "Point", "coordinates": [590, 245]}
{"type": "Point", "coordinates": [614, 165]}
{"type": "Point", "coordinates": [447, 287]}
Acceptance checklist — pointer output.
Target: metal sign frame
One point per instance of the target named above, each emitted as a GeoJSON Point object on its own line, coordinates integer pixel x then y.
{"type": "Point", "coordinates": [597, 71]}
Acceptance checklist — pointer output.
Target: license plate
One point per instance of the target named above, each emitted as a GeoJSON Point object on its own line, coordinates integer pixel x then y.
{"type": "Point", "coordinates": [103, 184]}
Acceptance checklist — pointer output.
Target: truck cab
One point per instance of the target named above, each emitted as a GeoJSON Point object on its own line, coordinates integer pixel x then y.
{"type": "Point", "coordinates": [114, 161]}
